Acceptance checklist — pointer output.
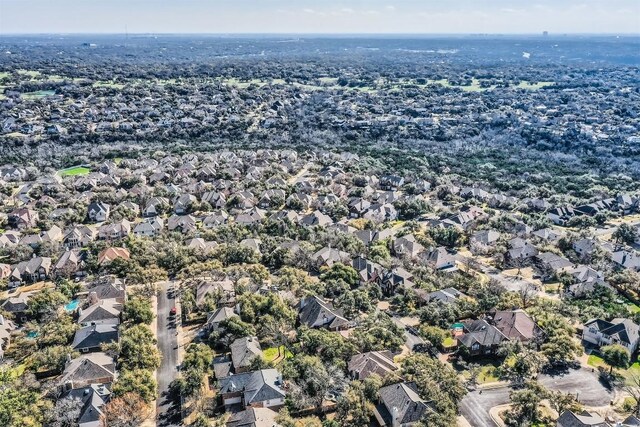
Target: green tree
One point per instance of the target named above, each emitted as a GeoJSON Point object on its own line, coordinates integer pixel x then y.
{"type": "Point", "coordinates": [137, 349]}
{"type": "Point", "coordinates": [332, 348]}
{"type": "Point", "coordinates": [198, 356]}
{"type": "Point", "coordinates": [50, 358]}
{"type": "Point", "coordinates": [449, 237]}
{"type": "Point", "coordinates": [625, 233]}
{"type": "Point", "coordinates": [21, 404]}
{"type": "Point", "coordinates": [341, 272]}
{"type": "Point", "coordinates": [437, 383]}
{"type": "Point", "coordinates": [524, 404]}
{"type": "Point", "coordinates": [353, 408]}
{"type": "Point", "coordinates": [616, 356]}
{"type": "Point", "coordinates": [377, 332]}
{"type": "Point", "coordinates": [139, 381]}
{"type": "Point", "coordinates": [58, 331]}
{"type": "Point", "coordinates": [46, 302]}
{"type": "Point", "coordinates": [434, 335]}
{"type": "Point", "coordinates": [138, 309]}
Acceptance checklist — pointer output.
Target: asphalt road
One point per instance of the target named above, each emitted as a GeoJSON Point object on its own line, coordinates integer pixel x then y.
{"type": "Point", "coordinates": [168, 413]}
{"type": "Point", "coordinates": [475, 405]}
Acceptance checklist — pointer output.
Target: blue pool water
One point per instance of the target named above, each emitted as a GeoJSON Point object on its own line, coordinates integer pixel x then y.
{"type": "Point", "coordinates": [73, 304]}
{"type": "Point", "coordinates": [32, 334]}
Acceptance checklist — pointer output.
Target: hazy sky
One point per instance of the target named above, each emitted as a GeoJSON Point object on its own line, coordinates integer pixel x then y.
{"type": "Point", "coordinates": [319, 16]}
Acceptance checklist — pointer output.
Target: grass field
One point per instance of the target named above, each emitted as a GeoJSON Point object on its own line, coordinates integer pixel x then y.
{"type": "Point", "coordinates": [109, 84]}
{"type": "Point", "coordinates": [74, 171]}
{"type": "Point", "coordinates": [271, 354]}
{"type": "Point", "coordinates": [37, 94]}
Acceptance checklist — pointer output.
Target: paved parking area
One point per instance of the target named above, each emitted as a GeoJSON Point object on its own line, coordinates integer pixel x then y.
{"type": "Point", "coordinates": [582, 382]}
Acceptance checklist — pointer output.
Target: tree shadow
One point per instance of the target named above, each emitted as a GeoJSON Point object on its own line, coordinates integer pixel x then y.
{"type": "Point", "coordinates": [169, 408]}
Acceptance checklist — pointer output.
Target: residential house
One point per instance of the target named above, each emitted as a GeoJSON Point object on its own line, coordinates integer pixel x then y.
{"type": "Point", "coordinates": [91, 400]}
{"type": "Point", "coordinates": [243, 352]}
{"type": "Point", "coordinates": [33, 270]}
{"type": "Point", "coordinates": [18, 306]}
{"type": "Point", "coordinates": [79, 236]}
{"type": "Point", "coordinates": [327, 256]}
{"type": "Point", "coordinates": [316, 313]}
{"type": "Point", "coordinates": [440, 259]}
{"type": "Point", "coordinates": [407, 246]}
{"type": "Point", "coordinates": [315, 218]}
{"type": "Point", "coordinates": [23, 218]}
{"type": "Point", "coordinates": [6, 327]}
{"type": "Point", "coordinates": [520, 251]}
{"type": "Point", "coordinates": [98, 211]}
{"type": "Point", "coordinates": [222, 291]}
{"type": "Point", "coordinates": [484, 238]}
{"type": "Point", "coordinates": [617, 331]}
{"type": "Point", "coordinates": [400, 406]}
{"type": "Point", "coordinates": [108, 255]}
{"type": "Point", "coordinates": [92, 337]}
{"type": "Point", "coordinates": [582, 419]}
{"type": "Point", "coordinates": [547, 235]}
{"type": "Point", "coordinates": [87, 369]}
{"type": "Point", "coordinates": [150, 227]}
{"type": "Point", "coordinates": [69, 264]}
{"type": "Point", "coordinates": [107, 287]}
{"type": "Point", "coordinates": [445, 296]}
{"type": "Point", "coordinates": [259, 389]}
{"type": "Point", "coordinates": [115, 231]}
{"type": "Point", "coordinates": [515, 325]}
{"type": "Point", "coordinates": [626, 259]}
{"type": "Point", "coordinates": [363, 365]}
{"type": "Point", "coordinates": [182, 223]}
{"type": "Point", "coordinates": [201, 245]}
{"type": "Point", "coordinates": [481, 338]}
{"type": "Point", "coordinates": [253, 417]}
{"type": "Point", "coordinates": [551, 264]}
{"type": "Point", "coordinates": [103, 312]}
{"type": "Point", "coordinates": [215, 219]}
{"type": "Point", "coordinates": [585, 281]}
{"type": "Point", "coordinates": [220, 315]}
{"type": "Point", "coordinates": [391, 182]}
{"type": "Point", "coordinates": [561, 215]}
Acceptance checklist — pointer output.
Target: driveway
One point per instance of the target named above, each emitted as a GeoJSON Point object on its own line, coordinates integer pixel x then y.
{"type": "Point", "coordinates": [410, 333]}
{"type": "Point", "coordinates": [475, 405]}
{"type": "Point", "coordinates": [168, 413]}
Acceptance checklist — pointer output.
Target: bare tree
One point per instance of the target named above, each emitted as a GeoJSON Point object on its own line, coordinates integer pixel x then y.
{"type": "Point", "coordinates": [65, 413]}
{"type": "Point", "coordinates": [527, 292]}
{"type": "Point", "coordinates": [632, 386]}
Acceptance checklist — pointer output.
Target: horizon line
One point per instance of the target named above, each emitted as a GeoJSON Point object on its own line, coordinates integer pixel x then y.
{"type": "Point", "coordinates": [226, 34]}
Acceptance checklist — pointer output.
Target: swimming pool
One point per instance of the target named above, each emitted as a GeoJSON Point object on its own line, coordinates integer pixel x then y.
{"type": "Point", "coordinates": [73, 304]}
{"type": "Point", "coordinates": [32, 334]}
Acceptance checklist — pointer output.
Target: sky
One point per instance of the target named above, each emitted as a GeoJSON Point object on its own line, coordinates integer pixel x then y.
{"type": "Point", "coordinates": [320, 16]}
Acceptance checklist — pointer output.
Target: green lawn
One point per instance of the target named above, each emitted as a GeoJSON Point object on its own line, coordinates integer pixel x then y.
{"type": "Point", "coordinates": [632, 307]}
{"type": "Point", "coordinates": [73, 171]}
{"type": "Point", "coordinates": [488, 374]}
{"type": "Point", "coordinates": [448, 342]}
{"type": "Point", "coordinates": [270, 354]}
{"type": "Point", "coordinates": [596, 361]}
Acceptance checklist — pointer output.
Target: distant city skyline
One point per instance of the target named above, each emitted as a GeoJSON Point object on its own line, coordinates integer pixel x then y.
{"type": "Point", "coordinates": [320, 16]}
